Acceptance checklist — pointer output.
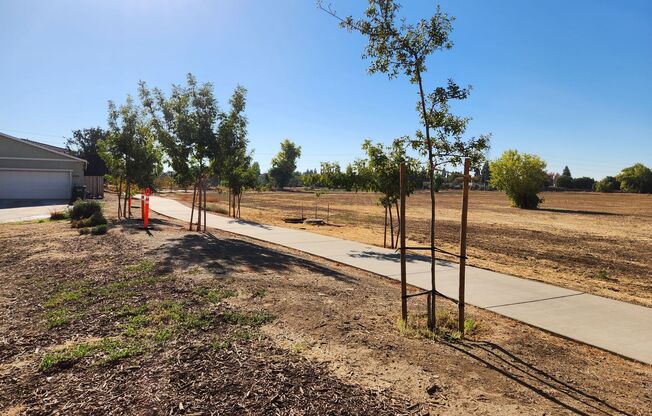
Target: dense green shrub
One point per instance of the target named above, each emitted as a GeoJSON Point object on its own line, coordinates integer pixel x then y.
{"type": "Point", "coordinates": [84, 209]}
{"type": "Point", "coordinates": [521, 176]}
{"type": "Point", "coordinates": [99, 229]}
{"type": "Point", "coordinates": [96, 219]}
{"type": "Point", "coordinates": [608, 184]}
{"type": "Point", "coordinates": [637, 178]}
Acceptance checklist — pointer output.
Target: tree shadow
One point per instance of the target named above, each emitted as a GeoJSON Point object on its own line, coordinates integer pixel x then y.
{"type": "Point", "coordinates": [396, 257]}
{"type": "Point", "coordinates": [251, 223]}
{"type": "Point", "coordinates": [548, 386]}
{"type": "Point", "coordinates": [229, 254]}
{"type": "Point", "coordinates": [578, 211]}
{"type": "Point", "coordinates": [135, 225]}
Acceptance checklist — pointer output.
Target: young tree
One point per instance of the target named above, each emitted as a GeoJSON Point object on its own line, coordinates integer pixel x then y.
{"type": "Point", "coordinates": [83, 144]}
{"type": "Point", "coordinates": [129, 150]}
{"type": "Point", "coordinates": [396, 47]}
{"type": "Point", "coordinates": [185, 125]}
{"type": "Point", "coordinates": [383, 172]}
{"type": "Point", "coordinates": [637, 178]}
{"type": "Point", "coordinates": [285, 163]}
{"type": "Point", "coordinates": [231, 161]}
{"type": "Point", "coordinates": [521, 176]}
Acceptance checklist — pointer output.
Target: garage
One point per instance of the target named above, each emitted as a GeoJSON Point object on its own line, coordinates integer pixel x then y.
{"type": "Point", "coordinates": [31, 170]}
{"type": "Point", "coordinates": [35, 184]}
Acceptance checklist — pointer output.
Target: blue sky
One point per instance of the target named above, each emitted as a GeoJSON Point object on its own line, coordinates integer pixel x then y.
{"type": "Point", "coordinates": [568, 80]}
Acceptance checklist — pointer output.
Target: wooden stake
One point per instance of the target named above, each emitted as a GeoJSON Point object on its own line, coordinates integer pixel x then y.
{"type": "Point", "coordinates": [465, 208]}
{"type": "Point", "coordinates": [404, 313]}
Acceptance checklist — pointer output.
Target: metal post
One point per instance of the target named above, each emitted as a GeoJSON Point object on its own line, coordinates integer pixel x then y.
{"type": "Point", "coordinates": [465, 208]}
{"type": "Point", "coordinates": [404, 313]}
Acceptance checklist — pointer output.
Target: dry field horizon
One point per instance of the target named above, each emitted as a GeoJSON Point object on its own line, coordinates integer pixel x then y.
{"type": "Point", "coordinates": [593, 242]}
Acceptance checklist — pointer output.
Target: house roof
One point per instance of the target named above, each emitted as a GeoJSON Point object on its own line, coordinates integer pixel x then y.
{"type": "Point", "coordinates": [54, 149]}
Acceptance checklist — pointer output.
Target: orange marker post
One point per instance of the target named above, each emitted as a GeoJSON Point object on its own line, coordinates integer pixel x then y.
{"type": "Point", "coordinates": [146, 208]}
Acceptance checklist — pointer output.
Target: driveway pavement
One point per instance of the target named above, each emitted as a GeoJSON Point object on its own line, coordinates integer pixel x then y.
{"type": "Point", "coordinates": [615, 326]}
{"type": "Point", "coordinates": [21, 210]}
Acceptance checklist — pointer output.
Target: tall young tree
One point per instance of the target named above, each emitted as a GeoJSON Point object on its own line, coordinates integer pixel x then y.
{"type": "Point", "coordinates": [83, 144]}
{"type": "Point", "coordinates": [232, 162]}
{"type": "Point", "coordinates": [185, 124]}
{"type": "Point", "coordinates": [129, 150]}
{"type": "Point", "coordinates": [382, 172]}
{"type": "Point", "coordinates": [285, 163]}
{"type": "Point", "coordinates": [397, 47]}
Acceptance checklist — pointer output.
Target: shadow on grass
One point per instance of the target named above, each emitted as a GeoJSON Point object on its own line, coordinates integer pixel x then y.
{"type": "Point", "coordinates": [578, 211]}
{"type": "Point", "coordinates": [223, 254]}
{"type": "Point", "coordinates": [571, 398]}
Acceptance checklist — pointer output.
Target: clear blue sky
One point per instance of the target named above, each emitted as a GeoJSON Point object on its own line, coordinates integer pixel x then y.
{"type": "Point", "coordinates": [568, 80]}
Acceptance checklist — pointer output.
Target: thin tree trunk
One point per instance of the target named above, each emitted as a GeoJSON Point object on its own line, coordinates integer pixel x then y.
{"type": "Point", "coordinates": [391, 226]}
{"type": "Point", "coordinates": [205, 208]}
{"type": "Point", "coordinates": [199, 190]}
{"type": "Point", "coordinates": [119, 199]}
{"type": "Point", "coordinates": [239, 201]}
{"type": "Point", "coordinates": [385, 230]}
{"type": "Point", "coordinates": [431, 175]}
{"type": "Point", "coordinates": [192, 210]}
{"type": "Point", "coordinates": [229, 200]}
{"type": "Point", "coordinates": [129, 199]}
{"type": "Point", "coordinates": [398, 221]}
{"type": "Point", "coordinates": [124, 201]}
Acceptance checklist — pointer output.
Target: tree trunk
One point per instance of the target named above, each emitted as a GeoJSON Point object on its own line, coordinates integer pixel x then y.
{"type": "Point", "coordinates": [205, 207]}
{"type": "Point", "coordinates": [398, 220]}
{"type": "Point", "coordinates": [119, 199]}
{"type": "Point", "coordinates": [199, 189]}
{"type": "Point", "coordinates": [192, 209]}
{"type": "Point", "coordinates": [431, 176]}
{"type": "Point", "coordinates": [239, 200]}
{"type": "Point", "coordinates": [385, 230]}
{"type": "Point", "coordinates": [391, 225]}
{"type": "Point", "coordinates": [124, 201]}
{"type": "Point", "coordinates": [228, 196]}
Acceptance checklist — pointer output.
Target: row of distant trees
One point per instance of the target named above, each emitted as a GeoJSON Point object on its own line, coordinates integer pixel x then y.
{"type": "Point", "coordinates": [636, 178]}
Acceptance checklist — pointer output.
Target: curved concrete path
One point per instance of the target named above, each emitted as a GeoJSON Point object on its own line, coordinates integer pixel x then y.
{"type": "Point", "coordinates": [615, 326]}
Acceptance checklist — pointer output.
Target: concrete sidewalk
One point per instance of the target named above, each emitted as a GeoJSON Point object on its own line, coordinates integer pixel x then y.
{"type": "Point", "coordinates": [28, 213]}
{"type": "Point", "coordinates": [612, 325]}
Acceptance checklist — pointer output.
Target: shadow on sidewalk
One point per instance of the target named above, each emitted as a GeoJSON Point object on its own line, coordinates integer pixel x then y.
{"type": "Point", "coordinates": [220, 255]}
{"type": "Point", "coordinates": [549, 387]}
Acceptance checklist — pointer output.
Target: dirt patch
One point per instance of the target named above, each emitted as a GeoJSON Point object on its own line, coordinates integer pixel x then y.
{"type": "Point", "coordinates": [186, 323]}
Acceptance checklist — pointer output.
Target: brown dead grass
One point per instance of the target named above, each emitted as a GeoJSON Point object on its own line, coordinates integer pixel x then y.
{"type": "Point", "coordinates": [597, 243]}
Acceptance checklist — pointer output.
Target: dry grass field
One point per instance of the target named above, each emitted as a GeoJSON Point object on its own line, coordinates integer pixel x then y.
{"type": "Point", "coordinates": [598, 243]}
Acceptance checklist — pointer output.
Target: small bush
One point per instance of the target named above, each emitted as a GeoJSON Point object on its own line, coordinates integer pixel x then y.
{"type": "Point", "coordinates": [84, 231]}
{"type": "Point", "coordinates": [99, 229]}
{"type": "Point", "coordinates": [96, 219]}
{"type": "Point", "coordinates": [216, 208]}
{"type": "Point", "coordinates": [59, 215]}
{"type": "Point", "coordinates": [85, 209]}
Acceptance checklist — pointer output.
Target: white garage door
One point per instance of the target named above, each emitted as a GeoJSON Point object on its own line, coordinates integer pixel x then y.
{"type": "Point", "coordinates": [34, 184]}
